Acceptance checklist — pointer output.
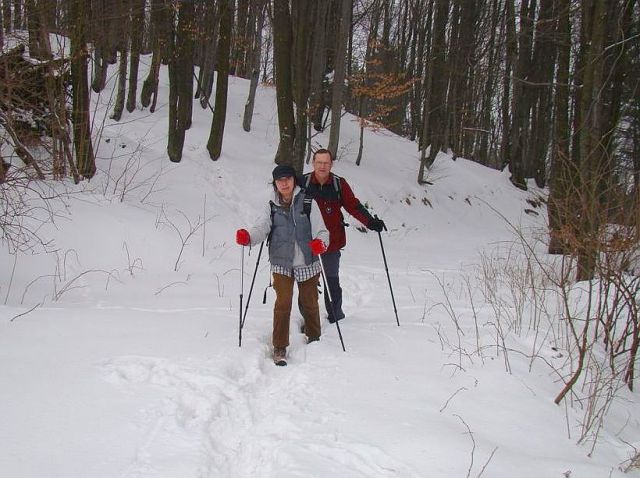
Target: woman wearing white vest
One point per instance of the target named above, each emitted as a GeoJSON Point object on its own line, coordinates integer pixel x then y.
{"type": "Point", "coordinates": [295, 240]}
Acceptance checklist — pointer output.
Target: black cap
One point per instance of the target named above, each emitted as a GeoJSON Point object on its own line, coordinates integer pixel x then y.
{"type": "Point", "coordinates": [283, 171]}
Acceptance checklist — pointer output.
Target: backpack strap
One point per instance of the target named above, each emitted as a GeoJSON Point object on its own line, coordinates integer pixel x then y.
{"type": "Point", "coordinates": [337, 185]}
{"type": "Point", "coordinates": [273, 211]}
{"type": "Point", "coordinates": [306, 205]}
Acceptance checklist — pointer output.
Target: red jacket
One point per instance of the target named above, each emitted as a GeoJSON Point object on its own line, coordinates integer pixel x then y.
{"type": "Point", "coordinates": [331, 201]}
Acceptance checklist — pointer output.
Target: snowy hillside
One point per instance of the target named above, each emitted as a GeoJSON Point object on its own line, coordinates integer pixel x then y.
{"type": "Point", "coordinates": [119, 347]}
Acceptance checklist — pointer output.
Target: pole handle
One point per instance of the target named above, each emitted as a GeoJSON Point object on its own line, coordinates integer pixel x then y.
{"type": "Point", "coordinates": [384, 226]}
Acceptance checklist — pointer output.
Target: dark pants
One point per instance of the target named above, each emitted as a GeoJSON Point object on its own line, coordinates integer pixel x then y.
{"type": "Point", "coordinates": [331, 261]}
{"type": "Point", "coordinates": [307, 296]}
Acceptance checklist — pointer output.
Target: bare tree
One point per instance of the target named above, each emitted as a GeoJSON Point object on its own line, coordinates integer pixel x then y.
{"type": "Point", "coordinates": [282, 41]}
{"type": "Point", "coordinates": [259, 8]}
{"type": "Point", "coordinates": [180, 80]}
{"type": "Point", "coordinates": [80, 115]}
{"type": "Point", "coordinates": [214, 145]}
{"type": "Point", "coordinates": [344, 29]}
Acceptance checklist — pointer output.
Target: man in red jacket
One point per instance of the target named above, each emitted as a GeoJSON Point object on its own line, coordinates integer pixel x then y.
{"type": "Point", "coordinates": [332, 193]}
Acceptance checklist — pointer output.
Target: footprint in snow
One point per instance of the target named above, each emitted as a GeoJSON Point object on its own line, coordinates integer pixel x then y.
{"type": "Point", "coordinates": [239, 415]}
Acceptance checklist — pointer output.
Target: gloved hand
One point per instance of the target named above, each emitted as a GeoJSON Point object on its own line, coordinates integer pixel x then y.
{"type": "Point", "coordinates": [242, 237]}
{"type": "Point", "coordinates": [376, 225]}
{"type": "Point", "coordinates": [317, 247]}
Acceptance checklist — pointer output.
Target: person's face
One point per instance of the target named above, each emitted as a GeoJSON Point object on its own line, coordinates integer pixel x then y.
{"type": "Point", "coordinates": [285, 186]}
{"type": "Point", "coordinates": [322, 166]}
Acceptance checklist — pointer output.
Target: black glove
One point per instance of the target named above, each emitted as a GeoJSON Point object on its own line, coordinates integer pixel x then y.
{"type": "Point", "coordinates": [376, 224]}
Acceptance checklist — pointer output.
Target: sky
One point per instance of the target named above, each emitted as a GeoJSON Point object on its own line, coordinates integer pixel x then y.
{"type": "Point", "coordinates": [119, 343]}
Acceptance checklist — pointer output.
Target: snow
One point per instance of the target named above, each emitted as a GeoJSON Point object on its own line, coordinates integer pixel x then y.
{"type": "Point", "coordinates": [119, 347]}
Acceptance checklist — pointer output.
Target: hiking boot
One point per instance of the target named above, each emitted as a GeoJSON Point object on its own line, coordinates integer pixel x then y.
{"type": "Point", "coordinates": [312, 339]}
{"type": "Point", "coordinates": [280, 356]}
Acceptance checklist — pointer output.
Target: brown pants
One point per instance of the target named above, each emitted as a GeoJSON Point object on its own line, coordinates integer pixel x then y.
{"type": "Point", "coordinates": [308, 295]}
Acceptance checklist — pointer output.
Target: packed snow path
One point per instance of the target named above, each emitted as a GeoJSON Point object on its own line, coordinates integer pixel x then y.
{"type": "Point", "coordinates": [243, 418]}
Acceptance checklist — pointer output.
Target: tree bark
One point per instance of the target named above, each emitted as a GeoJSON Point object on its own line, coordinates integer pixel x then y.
{"type": "Point", "coordinates": [122, 86]}
{"type": "Point", "coordinates": [161, 29]}
{"type": "Point", "coordinates": [339, 75]}
{"type": "Point", "coordinates": [6, 16]}
{"type": "Point", "coordinates": [137, 29]}
{"type": "Point", "coordinates": [214, 145]}
{"type": "Point", "coordinates": [255, 69]}
{"type": "Point", "coordinates": [318, 83]}
{"type": "Point", "coordinates": [511, 51]}
{"type": "Point", "coordinates": [544, 64]}
{"type": "Point", "coordinates": [520, 101]}
{"type": "Point", "coordinates": [304, 15]}
{"type": "Point", "coordinates": [282, 40]}
{"type": "Point", "coordinates": [80, 113]}
{"type": "Point", "coordinates": [439, 79]}
{"type": "Point", "coordinates": [482, 149]}
{"type": "Point", "coordinates": [592, 153]}
{"type": "Point", "coordinates": [207, 68]}
{"type": "Point", "coordinates": [241, 39]}
{"type": "Point", "coordinates": [18, 19]}
{"type": "Point", "coordinates": [562, 171]}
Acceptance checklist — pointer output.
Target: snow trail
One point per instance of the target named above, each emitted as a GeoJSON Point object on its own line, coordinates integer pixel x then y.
{"type": "Point", "coordinates": [242, 416]}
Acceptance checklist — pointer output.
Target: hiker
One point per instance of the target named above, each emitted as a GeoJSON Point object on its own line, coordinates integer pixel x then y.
{"type": "Point", "coordinates": [296, 237]}
{"type": "Point", "coordinates": [332, 193]}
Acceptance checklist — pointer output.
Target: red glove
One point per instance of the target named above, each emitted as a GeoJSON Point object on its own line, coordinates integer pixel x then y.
{"type": "Point", "coordinates": [317, 247]}
{"type": "Point", "coordinates": [242, 237]}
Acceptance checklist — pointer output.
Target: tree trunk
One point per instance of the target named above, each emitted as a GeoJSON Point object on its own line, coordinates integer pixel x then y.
{"type": "Point", "coordinates": [318, 83]}
{"type": "Point", "coordinates": [122, 86]}
{"type": "Point", "coordinates": [544, 63]}
{"type": "Point", "coordinates": [520, 101]}
{"type": "Point", "coordinates": [36, 50]}
{"type": "Point", "coordinates": [185, 47]}
{"type": "Point", "coordinates": [592, 153]}
{"type": "Point", "coordinates": [137, 29]}
{"type": "Point", "coordinates": [80, 113]}
{"type": "Point", "coordinates": [304, 16]}
{"type": "Point", "coordinates": [6, 16]}
{"type": "Point", "coordinates": [282, 40]}
{"type": "Point", "coordinates": [1, 45]}
{"type": "Point", "coordinates": [562, 171]}
{"type": "Point", "coordinates": [439, 79]}
{"type": "Point", "coordinates": [175, 136]}
{"type": "Point", "coordinates": [339, 75]}
{"type": "Point", "coordinates": [214, 145]}
{"type": "Point", "coordinates": [207, 68]}
{"type": "Point", "coordinates": [255, 69]}
{"type": "Point", "coordinates": [511, 51]}
{"type": "Point", "coordinates": [161, 29]}
{"type": "Point", "coordinates": [482, 149]}
{"type": "Point", "coordinates": [241, 39]}
{"type": "Point", "coordinates": [18, 19]}
{"type": "Point", "coordinates": [417, 56]}
{"type": "Point", "coordinates": [101, 45]}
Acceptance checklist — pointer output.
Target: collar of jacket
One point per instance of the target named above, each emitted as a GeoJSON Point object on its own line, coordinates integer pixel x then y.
{"type": "Point", "coordinates": [314, 180]}
{"type": "Point", "coordinates": [276, 197]}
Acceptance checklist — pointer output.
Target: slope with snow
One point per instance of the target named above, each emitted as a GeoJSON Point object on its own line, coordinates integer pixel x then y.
{"type": "Point", "coordinates": [129, 363]}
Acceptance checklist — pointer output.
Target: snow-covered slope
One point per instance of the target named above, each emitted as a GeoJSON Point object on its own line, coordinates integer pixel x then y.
{"type": "Point", "coordinates": [129, 363]}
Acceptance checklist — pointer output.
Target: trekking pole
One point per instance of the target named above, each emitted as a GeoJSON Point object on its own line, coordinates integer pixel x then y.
{"type": "Point", "coordinates": [241, 293]}
{"type": "Point", "coordinates": [384, 257]}
{"type": "Point", "coordinates": [246, 307]}
{"type": "Point", "coordinates": [326, 285]}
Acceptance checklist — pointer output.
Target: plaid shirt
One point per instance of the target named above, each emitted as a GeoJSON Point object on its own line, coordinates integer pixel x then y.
{"type": "Point", "coordinates": [300, 274]}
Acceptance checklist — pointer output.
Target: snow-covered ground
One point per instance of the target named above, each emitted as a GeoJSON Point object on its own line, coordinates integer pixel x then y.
{"type": "Point", "coordinates": [129, 365]}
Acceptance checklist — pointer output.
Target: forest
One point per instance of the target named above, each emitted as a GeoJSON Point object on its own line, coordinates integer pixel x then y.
{"type": "Point", "coordinates": [547, 91]}
{"type": "Point", "coordinates": [547, 88]}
